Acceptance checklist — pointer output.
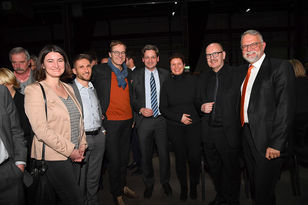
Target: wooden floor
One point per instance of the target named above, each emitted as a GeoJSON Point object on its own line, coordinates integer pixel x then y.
{"type": "Point", "coordinates": [283, 192]}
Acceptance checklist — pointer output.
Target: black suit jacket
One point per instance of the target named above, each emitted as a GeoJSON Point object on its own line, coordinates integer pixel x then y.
{"type": "Point", "coordinates": [23, 119]}
{"type": "Point", "coordinates": [230, 83]}
{"type": "Point", "coordinates": [101, 79]}
{"type": "Point", "coordinates": [11, 133]}
{"type": "Point", "coordinates": [272, 104]}
{"type": "Point", "coordinates": [138, 82]}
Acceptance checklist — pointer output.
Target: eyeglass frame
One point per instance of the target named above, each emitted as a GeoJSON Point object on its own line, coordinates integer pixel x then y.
{"type": "Point", "coordinates": [213, 55]}
{"type": "Point", "coordinates": [251, 46]}
{"type": "Point", "coordinates": [117, 53]}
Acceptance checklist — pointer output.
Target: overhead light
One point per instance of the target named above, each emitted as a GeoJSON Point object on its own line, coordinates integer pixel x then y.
{"type": "Point", "coordinates": [173, 13]}
{"type": "Point", "coordinates": [175, 2]}
{"type": "Point", "coordinates": [247, 10]}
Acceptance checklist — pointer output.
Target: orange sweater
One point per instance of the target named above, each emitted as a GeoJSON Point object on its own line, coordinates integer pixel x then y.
{"type": "Point", "coordinates": [119, 107]}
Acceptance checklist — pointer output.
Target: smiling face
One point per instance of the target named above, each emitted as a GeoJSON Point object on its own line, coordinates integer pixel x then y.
{"type": "Point", "coordinates": [252, 47]}
{"type": "Point", "coordinates": [215, 56]}
{"type": "Point", "coordinates": [20, 63]}
{"type": "Point", "coordinates": [150, 59]}
{"type": "Point", "coordinates": [117, 55]}
{"type": "Point", "coordinates": [83, 69]}
{"type": "Point", "coordinates": [177, 66]}
{"type": "Point", "coordinates": [54, 65]}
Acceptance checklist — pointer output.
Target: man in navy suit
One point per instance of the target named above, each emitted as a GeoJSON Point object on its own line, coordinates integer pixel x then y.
{"type": "Point", "coordinates": [151, 129]}
{"type": "Point", "coordinates": [13, 152]}
{"type": "Point", "coordinates": [267, 107]}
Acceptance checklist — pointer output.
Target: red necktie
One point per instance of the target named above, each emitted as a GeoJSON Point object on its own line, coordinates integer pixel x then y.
{"type": "Point", "coordinates": [244, 93]}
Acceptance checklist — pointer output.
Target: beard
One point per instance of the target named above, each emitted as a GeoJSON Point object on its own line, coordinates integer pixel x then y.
{"type": "Point", "coordinates": [251, 59]}
{"type": "Point", "coordinates": [83, 77]}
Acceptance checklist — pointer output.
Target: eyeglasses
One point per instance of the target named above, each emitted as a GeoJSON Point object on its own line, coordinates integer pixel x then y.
{"type": "Point", "coordinates": [251, 46]}
{"type": "Point", "coordinates": [213, 55]}
{"type": "Point", "coordinates": [118, 53]}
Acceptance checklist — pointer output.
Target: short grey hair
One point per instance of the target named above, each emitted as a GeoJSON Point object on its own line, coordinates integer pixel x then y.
{"type": "Point", "coordinates": [252, 32]}
{"type": "Point", "coordinates": [18, 50]}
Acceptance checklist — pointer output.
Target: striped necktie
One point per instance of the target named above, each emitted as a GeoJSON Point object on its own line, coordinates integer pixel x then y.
{"type": "Point", "coordinates": [154, 102]}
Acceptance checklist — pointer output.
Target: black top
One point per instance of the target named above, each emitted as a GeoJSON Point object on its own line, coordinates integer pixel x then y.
{"type": "Point", "coordinates": [177, 97]}
{"type": "Point", "coordinates": [301, 86]}
{"type": "Point", "coordinates": [24, 122]}
{"type": "Point", "coordinates": [214, 92]}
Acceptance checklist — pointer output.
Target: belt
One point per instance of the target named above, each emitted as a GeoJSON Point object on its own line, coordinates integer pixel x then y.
{"type": "Point", "coordinates": [95, 132]}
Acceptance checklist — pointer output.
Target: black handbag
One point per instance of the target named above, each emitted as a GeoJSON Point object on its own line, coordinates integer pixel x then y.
{"type": "Point", "coordinates": [41, 191]}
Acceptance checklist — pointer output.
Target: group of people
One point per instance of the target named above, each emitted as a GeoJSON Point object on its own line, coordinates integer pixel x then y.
{"type": "Point", "coordinates": [226, 112]}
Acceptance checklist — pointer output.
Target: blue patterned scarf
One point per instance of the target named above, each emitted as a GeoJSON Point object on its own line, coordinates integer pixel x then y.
{"type": "Point", "coordinates": [121, 75]}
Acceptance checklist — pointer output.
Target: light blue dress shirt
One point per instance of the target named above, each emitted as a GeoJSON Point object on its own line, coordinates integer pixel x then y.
{"type": "Point", "coordinates": [147, 85]}
{"type": "Point", "coordinates": [92, 119]}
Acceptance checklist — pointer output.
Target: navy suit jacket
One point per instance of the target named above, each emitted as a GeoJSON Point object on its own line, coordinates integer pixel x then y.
{"type": "Point", "coordinates": [138, 83]}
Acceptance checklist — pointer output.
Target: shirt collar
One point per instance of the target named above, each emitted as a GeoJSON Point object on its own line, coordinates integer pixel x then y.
{"type": "Point", "coordinates": [259, 62]}
{"type": "Point", "coordinates": [80, 87]}
{"type": "Point", "coordinates": [221, 71]}
{"type": "Point", "coordinates": [148, 71]}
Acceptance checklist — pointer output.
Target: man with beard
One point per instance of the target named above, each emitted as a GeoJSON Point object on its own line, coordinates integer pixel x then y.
{"type": "Point", "coordinates": [87, 97]}
{"type": "Point", "coordinates": [20, 59]}
{"type": "Point", "coordinates": [219, 95]}
{"type": "Point", "coordinates": [267, 109]}
{"type": "Point", "coordinates": [113, 84]}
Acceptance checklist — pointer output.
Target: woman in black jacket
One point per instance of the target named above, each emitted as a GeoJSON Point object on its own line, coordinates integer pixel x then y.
{"type": "Point", "coordinates": [177, 105]}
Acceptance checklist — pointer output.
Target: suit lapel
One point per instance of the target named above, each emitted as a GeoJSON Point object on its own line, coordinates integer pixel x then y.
{"type": "Point", "coordinates": [161, 77]}
{"type": "Point", "coordinates": [257, 85]}
{"type": "Point", "coordinates": [142, 87]}
{"type": "Point", "coordinates": [73, 97]}
{"type": "Point", "coordinates": [77, 94]}
{"type": "Point", "coordinates": [51, 95]}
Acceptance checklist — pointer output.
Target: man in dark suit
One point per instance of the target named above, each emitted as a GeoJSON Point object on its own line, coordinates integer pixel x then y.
{"type": "Point", "coordinates": [151, 126]}
{"type": "Point", "coordinates": [113, 85]}
{"type": "Point", "coordinates": [219, 98]}
{"type": "Point", "coordinates": [267, 108]}
{"type": "Point", "coordinates": [87, 97]}
{"type": "Point", "coordinates": [13, 152]}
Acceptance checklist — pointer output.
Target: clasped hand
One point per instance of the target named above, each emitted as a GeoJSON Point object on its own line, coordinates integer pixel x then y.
{"type": "Point", "coordinates": [78, 154]}
{"type": "Point", "coordinates": [146, 112]}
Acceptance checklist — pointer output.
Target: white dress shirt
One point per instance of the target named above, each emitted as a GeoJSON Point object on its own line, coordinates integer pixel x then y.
{"type": "Point", "coordinates": [4, 155]}
{"type": "Point", "coordinates": [251, 80]}
{"type": "Point", "coordinates": [147, 85]}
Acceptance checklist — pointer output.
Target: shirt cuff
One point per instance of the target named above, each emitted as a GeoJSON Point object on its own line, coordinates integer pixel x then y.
{"type": "Point", "coordinates": [20, 162]}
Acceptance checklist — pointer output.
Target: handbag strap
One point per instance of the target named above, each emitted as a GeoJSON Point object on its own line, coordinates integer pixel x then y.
{"type": "Point", "coordinates": [44, 96]}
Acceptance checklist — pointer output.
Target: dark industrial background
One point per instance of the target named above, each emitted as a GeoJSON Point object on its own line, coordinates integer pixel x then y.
{"type": "Point", "coordinates": [185, 26]}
